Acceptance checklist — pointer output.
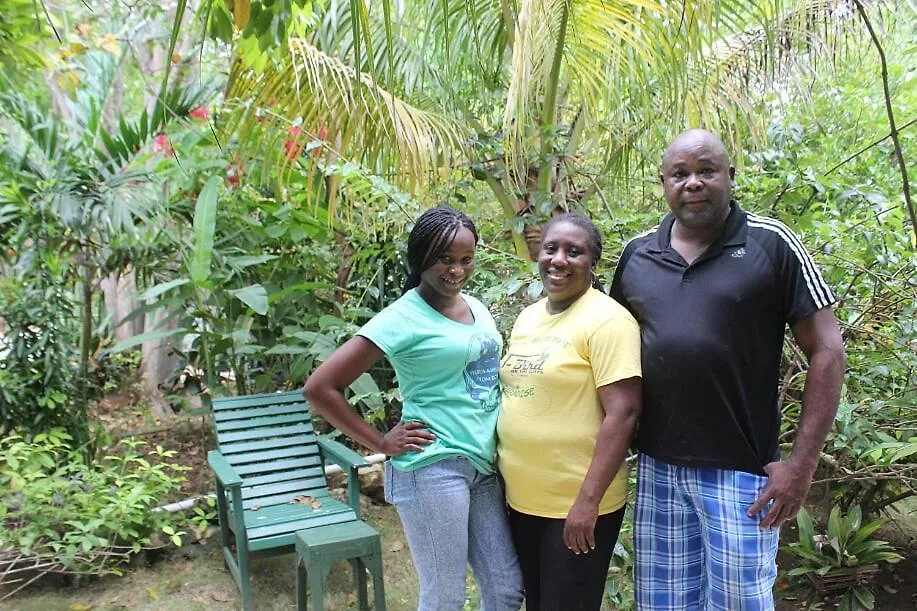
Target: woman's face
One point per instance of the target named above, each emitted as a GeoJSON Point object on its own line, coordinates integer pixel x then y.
{"type": "Point", "coordinates": [565, 263]}
{"type": "Point", "coordinates": [451, 271]}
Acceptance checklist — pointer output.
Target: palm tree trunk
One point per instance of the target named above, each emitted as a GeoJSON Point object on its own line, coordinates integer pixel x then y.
{"type": "Point", "coordinates": [549, 110]}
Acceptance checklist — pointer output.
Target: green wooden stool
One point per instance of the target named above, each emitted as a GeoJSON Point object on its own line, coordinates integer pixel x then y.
{"type": "Point", "coordinates": [319, 547]}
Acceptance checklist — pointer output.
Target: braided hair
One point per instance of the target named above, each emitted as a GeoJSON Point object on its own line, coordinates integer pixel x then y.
{"type": "Point", "coordinates": [431, 236]}
{"type": "Point", "coordinates": [586, 224]}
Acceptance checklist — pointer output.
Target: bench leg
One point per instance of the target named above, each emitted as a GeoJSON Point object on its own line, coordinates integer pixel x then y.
{"type": "Point", "coordinates": [359, 582]}
{"type": "Point", "coordinates": [245, 580]}
{"type": "Point", "coordinates": [374, 564]}
{"type": "Point", "coordinates": [301, 580]}
{"type": "Point", "coordinates": [317, 587]}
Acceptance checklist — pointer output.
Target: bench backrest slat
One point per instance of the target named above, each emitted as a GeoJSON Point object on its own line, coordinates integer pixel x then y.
{"type": "Point", "coordinates": [269, 440]}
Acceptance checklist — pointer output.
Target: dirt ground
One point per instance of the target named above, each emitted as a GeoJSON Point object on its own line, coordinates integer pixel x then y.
{"type": "Point", "coordinates": [194, 577]}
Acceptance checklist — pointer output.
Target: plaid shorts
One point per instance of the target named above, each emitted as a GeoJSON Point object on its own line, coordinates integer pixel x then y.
{"type": "Point", "coordinates": [695, 546]}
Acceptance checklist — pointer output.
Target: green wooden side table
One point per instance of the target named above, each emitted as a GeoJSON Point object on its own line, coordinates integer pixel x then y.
{"type": "Point", "coordinates": [320, 547]}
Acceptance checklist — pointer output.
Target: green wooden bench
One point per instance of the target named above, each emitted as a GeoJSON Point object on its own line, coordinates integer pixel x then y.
{"type": "Point", "coordinates": [270, 478]}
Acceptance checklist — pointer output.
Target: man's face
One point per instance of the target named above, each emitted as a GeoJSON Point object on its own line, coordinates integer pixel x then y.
{"type": "Point", "coordinates": [697, 180]}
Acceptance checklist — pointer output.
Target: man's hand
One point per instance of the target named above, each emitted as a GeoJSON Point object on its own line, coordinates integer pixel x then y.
{"type": "Point", "coordinates": [579, 528]}
{"type": "Point", "coordinates": [787, 486]}
{"type": "Point", "coordinates": [406, 437]}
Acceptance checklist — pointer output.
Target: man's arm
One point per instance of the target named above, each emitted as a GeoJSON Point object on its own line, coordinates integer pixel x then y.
{"type": "Point", "coordinates": [788, 480]}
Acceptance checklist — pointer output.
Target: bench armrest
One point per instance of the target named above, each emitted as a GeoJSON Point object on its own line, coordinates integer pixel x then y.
{"type": "Point", "coordinates": [223, 470]}
{"type": "Point", "coordinates": [340, 454]}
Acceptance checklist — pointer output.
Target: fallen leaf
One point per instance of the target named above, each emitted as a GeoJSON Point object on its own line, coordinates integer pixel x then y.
{"type": "Point", "coordinates": [198, 599]}
{"type": "Point", "coordinates": [303, 499]}
{"type": "Point", "coordinates": [221, 597]}
{"type": "Point", "coordinates": [80, 607]}
{"type": "Point", "coordinates": [256, 507]}
{"type": "Point", "coordinates": [397, 546]}
{"type": "Point", "coordinates": [152, 593]}
{"type": "Point", "coordinates": [316, 504]}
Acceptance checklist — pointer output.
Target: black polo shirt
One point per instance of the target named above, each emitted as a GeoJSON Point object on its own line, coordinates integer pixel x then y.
{"type": "Point", "coordinates": [712, 335]}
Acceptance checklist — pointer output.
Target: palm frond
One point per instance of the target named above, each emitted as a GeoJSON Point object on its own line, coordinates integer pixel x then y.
{"type": "Point", "coordinates": [316, 102]}
{"type": "Point", "coordinates": [602, 42]}
{"type": "Point", "coordinates": [421, 49]}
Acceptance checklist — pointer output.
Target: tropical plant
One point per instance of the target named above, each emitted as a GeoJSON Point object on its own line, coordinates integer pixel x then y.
{"type": "Point", "coordinates": [846, 551]}
{"type": "Point", "coordinates": [567, 93]}
{"type": "Point", "coordinates": [258, 322]}
{"type": "Point", "coordinates": [76, 189]}
{"type": "Point", "coordinates": [839, 188]}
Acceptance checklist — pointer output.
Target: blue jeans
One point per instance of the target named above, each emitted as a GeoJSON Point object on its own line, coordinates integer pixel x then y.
{"type": "Point", "coordinates": [454, 515]}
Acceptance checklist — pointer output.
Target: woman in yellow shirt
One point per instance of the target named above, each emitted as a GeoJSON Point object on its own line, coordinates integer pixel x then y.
{"type": "Point", "coordinates": [571, 398]}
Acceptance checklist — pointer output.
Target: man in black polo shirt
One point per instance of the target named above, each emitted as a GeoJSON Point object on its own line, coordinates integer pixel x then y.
{"type": "Point", "coordinates": [713, 288]}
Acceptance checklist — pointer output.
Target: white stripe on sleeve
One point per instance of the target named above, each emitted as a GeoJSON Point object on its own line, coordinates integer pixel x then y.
{"type": "Point", "coordinates": [818, 288]}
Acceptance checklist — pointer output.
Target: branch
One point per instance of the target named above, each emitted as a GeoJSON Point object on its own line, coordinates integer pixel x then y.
{"type": "Point", "coordinates": [510, 211]}
{"type": "Point", "coordinates": [870, 146]}
{"type": "Point", "coordinates": [893, 131]}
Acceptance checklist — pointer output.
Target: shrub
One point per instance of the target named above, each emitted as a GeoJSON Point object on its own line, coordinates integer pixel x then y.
{"type": "Point", "coordinates": [37, 357]}
{"type": "Point", "coordinates": [60, 514]}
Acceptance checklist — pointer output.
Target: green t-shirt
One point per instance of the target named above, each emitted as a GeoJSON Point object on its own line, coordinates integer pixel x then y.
{"type": "Point", "coordinates": [448, 373]}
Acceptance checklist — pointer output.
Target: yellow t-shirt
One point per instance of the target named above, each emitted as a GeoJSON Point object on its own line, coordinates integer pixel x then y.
{"type": "Point", "coordinates": [550, 417]}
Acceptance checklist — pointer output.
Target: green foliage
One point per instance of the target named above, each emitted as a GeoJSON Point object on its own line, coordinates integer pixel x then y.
{"type": "Point", "coordinates": [844, 550]}
{"type": "Point", "coordinates": [265, 23]}
{"type": "Point", "coordinates": [76, 199]}
{"type": "Point", "coordinates": [62, 515]}
{"type": "Point", "coordinates": [38, 355]}
{"type": "Point", "coordinates": [258, 287]}
{"type": "Point", "coordinates": [846, 543]}
{"type": "Point", "coordinates": [829, 173]}
{"type": "Point", "coordinates": [619, 585]}
{"type": "Point", "coordinates": [20, 34]}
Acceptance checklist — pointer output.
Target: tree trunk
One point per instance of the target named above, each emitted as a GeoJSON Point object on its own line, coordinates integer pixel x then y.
{"type": "Point", "coordinates": [160, 362]}
{"type": "Point", "coordinates": [120, 291]}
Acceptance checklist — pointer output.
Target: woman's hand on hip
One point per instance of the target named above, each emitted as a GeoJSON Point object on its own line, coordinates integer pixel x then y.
{"type": "Point", "coordinates": [579, 528]}
{"type": "Point", "coordinates": [406, 437]}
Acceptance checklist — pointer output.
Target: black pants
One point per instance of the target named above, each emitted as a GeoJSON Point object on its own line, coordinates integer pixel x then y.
{"type": "Point", "coordinates": [555, 578]}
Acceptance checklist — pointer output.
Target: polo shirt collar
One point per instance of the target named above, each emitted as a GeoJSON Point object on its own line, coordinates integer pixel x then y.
{"type": "Point", "coordinates": [734, 233]}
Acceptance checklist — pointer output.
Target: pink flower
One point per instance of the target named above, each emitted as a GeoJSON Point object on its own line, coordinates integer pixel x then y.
{"type": "Point", "coordinates": [234, 174]}
{"type": "Point", "coordinates": [200, 112]}
{"type": "Point", "coordinates": [162, 145]}
{"type": "Point", "coordinates": [291, 148]}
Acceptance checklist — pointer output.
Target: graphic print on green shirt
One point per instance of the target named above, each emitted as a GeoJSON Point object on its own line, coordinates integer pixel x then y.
{"type": "Point", "coordinates": [448, 375]}
{"type": "Point", "coordinates": [482, 372]}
